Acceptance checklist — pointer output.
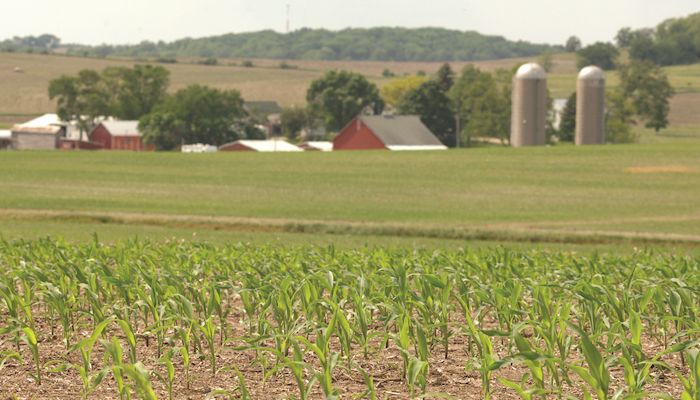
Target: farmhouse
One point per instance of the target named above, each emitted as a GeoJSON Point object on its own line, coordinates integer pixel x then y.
{"type": "Point", "coordinates": [118, 135]}
{"type": "Point", "coordinates": [41, 133]}
{"type": "Point", "coordinates": [316, 146]}
{"type": "Point", "coordinates": [263, 146]}
{"type": "Point", "coordinates": [400, 132]}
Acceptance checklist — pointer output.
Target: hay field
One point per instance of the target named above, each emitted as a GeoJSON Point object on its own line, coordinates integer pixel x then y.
{"type": "Point", "coordinates": [550, 194]}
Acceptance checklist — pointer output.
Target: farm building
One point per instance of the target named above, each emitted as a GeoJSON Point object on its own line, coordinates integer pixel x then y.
{"type": "Point", "coordinates": [198, 148]}
{"type": "Point", "coordinates": [118, 135]}
{"type": "Point", "coordinates": [316, 146]}
{"type": "Point", "coordinates": [5, 139]}
{"type": "Point", "coordinates": [263, 146]}
{"type": "Point", "coordinates": [41, 133]}
{"type": "Point", "coordinates": [392, 132]}
{"type": "Point", "coordinates": [270, 113]}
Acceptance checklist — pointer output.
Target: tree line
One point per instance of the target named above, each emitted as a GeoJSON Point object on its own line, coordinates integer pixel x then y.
{"type": "Point", "coordinates": [379, 44]}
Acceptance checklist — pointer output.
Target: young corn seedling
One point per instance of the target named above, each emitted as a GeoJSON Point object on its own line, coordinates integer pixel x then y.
{"type": "Point", "coordinates": [113, 351]}
{"type": "Point", "coordinates": [597, 374]}
{"type": "Point", "coordinates": [209, 331]}
{"type": "Point", "coordinates": [30, 339]}
{"type": "Point", "coordinates": [141, 381]}
{"type": "Point", "coordinates": [168, 379]}
{"type": "Point", "coordinates": [90, 380]}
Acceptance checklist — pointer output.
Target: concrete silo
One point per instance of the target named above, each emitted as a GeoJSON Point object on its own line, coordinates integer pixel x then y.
{"type": "Point", "coordinates": [529, 112]}
{"type": "Point", "coordinates": [590, 106]}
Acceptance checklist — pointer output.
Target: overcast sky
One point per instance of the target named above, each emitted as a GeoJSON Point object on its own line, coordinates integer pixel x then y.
{"type": "Point", "coordinates": [131, 21]}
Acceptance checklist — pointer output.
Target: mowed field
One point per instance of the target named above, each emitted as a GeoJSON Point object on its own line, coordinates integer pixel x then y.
{"type": "Point", "coordinates": [638, 194]}
{"type": "Point", "coordinates": [23, 95]}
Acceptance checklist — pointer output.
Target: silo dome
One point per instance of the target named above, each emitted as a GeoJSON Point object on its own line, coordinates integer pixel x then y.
{"type": "Point", "coordinates": [590, 106]}
{"type": "Point", "coordinates": [531, 71]}
{"type": "Point", "coordinates": [529, 108]}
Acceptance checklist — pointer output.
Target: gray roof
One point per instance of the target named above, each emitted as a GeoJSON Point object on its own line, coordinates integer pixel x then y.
{"type": "Point", "coordinates": [263, 107]}
{"type": "Point", "coordinates": [122, 128]}
{"type": "Point", "coordinates": [400, 130]}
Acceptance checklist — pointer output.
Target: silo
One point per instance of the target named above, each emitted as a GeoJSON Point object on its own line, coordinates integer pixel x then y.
{"type": "Point", "coordinates": [590, 106]}
{"type": "Point", "coordinates": [529, 112]}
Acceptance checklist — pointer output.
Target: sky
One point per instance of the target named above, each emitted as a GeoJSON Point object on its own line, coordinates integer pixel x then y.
{"type": "Point", "coordinates": [132, 21]}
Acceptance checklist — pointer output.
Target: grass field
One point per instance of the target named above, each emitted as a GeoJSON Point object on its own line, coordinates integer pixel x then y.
{"type": "Point", "coordinates": [611, 194]}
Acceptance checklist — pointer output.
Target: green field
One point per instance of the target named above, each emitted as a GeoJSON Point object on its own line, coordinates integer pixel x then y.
{"type": "Point", "coordinates": [180, 321]}
{"type": "Point", "coordinates": [637, 194]}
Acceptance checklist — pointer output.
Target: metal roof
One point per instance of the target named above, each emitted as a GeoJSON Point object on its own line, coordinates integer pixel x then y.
{"type": "Point", "coordinates": [530, 71]}
{"type": "Point", "coordinates": [322, 146]}
{"type": "Point", "coordinates": [591, 72]}
{"type": "Point", "coordinates": [401, 130]}
{"type": "Point", "coordinates": [47, 123]}
{"type": "Point", "coordinates": [266, 145]}
{"type": "Point", "coordinates": [5, 134]}
{"type": "Point", "coordinates": [122, 128]}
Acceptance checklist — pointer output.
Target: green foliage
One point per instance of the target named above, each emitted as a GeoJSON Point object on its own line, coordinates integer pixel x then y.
{"type": "Point", "coordinates": [619, 117]}
{"type": "Point", "coordinates": [573, 44]}
{"type": "Point", "coordinates": [294, 119]}
{"type": "Point", "coordinates": [306, 310]}
{"type": "Point", "coordinates": [567, 126]}
{"type": "Point", "coordinates": [483, 102]}
{"type": "Point", "coordinates": [603, 55]}
{"type": "Point", "coordinates": [674, 41]}
{"type": "Point", "coordinates": [31, 44]}
{"type": "Point", "coordinates": [196, 114]}
{"type": "Point", "coordinates": [379, 44]}
{"type": "Point", "coordinates": [648, 88]}
{"type": "Point", "coordinates": [432, 104]}
{"type": "Point", "coordinates": [340, 96]}
{"type": "Point", "coordinates": [394, 91]}
{"type": "Point", "coordinates": [124, 93]}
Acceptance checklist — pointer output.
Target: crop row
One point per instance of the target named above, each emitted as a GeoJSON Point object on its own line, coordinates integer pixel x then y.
{"type": "Point", "coordinates": [135, 317]}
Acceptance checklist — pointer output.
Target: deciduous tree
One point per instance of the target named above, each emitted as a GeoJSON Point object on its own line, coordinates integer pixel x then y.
{"type": "Point", "coordinates": [649, 90]}
{"type": "Point", "coordinates": [340, 96]}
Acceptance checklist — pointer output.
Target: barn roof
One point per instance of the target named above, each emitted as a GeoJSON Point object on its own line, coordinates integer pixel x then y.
{"type": "Point", "coordinates": [322, 146]}
{"type": "Point", "coordinates": [47, 123]}
{"type": "Point", "coordinates": [402, 132]}
{"type": "Point", "coordinates": [265, 145]}
{"type": "Point", "coordinates": [122, 128]}
{"type": "Point", "coordinates": [5, 134]}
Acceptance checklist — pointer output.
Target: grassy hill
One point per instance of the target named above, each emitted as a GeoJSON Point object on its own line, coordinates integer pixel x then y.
{"type": "Point", "coordinates": [610, 194]}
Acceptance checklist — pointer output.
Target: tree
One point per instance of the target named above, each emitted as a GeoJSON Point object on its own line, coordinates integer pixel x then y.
{"type": "Point", "coordinates": [573, 44]}
{"type": "Point", "coordinates": [445, 77]}
{"type": "Point", "coordinates": [618, 117]}
{"type": "Point", "coordinates": [482, 102]}
{"type": "Point", "coordinates": [430, 102]}
{"type": "Point", "coordinates": [294, 119]}
{"type": "Point", "coordinates": [80, 98]}
{"type": "Point", "coordinates": [124, 93]}
{"type": "Point", "coordinates": [546, 61]}
{"type": "Point", "coordinates": [196, 114]}
{"type": "Point", "coordinates": [340, 96]}
{"type": "Point", "coordinates": [603, 55]}
{"type": "Point", "coordinates": [567, 125]}
{"type": "Point", "coordinates": [624, 36]}
{"type": "Point", "coordinates": [395, 90]}
{"type": "Point", "coordinates": [648, 88]}
{"type": "Point", "coordinates": [136, 91]}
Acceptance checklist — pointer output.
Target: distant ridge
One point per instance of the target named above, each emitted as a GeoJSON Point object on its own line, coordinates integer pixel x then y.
{"type": "Point", "coordinates": [374, 44]}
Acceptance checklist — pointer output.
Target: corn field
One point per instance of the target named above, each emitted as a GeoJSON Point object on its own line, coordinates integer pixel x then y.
{"type": "Point", "coordinates": [175, 320]}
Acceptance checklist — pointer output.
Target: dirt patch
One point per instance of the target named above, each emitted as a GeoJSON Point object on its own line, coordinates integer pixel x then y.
{"type": "Point", "coordinates": [663, 169]}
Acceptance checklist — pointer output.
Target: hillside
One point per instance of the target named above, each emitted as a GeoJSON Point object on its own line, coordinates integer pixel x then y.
{"type": "Point", "coordinates": [375, 44]}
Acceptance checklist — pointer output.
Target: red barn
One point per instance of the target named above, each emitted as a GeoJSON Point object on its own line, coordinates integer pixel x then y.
{"type": "Point", "coordinates": [119, 135]}
{"type": "Point", "coordinates": [392, 132]}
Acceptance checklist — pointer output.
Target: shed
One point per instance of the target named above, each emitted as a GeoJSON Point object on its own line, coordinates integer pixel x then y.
{"type": "Point", "coordinates": [316, 146]}
{"type": "Point", "coordinates": [263, 146]}
{"type": "Point", "coordinates": [41, 133]}
{"type": "Point", "coordinates": [5, 139]}
{"type": "Point", "coordinates": [118, 135]}
{"type": "Point", "coordinates": [392, 132]}
{"type": "Point", "coordinates": [198, 148]}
